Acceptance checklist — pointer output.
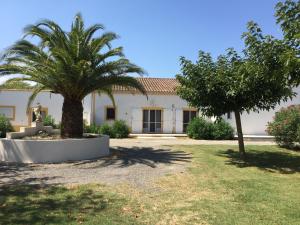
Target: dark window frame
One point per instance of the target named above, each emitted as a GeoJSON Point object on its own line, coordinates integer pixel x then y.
{"type": "Point", "coordinates": [108, 112]}
{"type": "Point", "coordinates": [152, 120]}
{"type": "Point", "coordinates": [190, 111]}
{"type": "Point", "coordinates": [229, 116]}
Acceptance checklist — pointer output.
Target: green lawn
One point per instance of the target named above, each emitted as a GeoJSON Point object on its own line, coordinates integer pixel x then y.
{"type": "Point", "coordinates": [218, 188]}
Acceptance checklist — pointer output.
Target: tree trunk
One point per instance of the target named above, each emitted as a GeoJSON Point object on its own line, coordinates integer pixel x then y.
{"type": "Point", "coordinates": [72, 119]}
{"type": "Point", "coordinates": [240, 133]}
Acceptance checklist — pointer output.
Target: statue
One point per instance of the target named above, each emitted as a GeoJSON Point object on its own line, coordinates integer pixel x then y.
{"type": "Point", "coordinates": [38, 113]}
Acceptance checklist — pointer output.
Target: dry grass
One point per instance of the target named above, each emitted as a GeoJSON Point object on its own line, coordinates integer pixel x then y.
{"type": "Point", "coordinates": [218, 189]}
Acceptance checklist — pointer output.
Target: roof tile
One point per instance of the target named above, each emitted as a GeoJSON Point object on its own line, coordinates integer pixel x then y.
{"type": "Point", "coordinates": [154, 85]}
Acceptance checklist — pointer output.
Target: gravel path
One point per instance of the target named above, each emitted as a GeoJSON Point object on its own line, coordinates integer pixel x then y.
{"type": "Point", "coordinates": [169, 141]}
{"type": "Point", "coordinates": [135, 161]}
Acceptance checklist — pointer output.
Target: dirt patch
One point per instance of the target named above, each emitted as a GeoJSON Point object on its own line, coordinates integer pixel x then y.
{"type": "Point", "coordinates": [137, 166]}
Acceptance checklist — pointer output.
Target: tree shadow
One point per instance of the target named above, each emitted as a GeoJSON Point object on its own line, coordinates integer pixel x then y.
{"type": "Point", "coordinates": [15, 174]}
{"type": "Point", "coordinates": [34, 204]}
{"type": "Point", "coordinates": [125, 157]}
{"type": "Point", "coordinates": [282, 162]}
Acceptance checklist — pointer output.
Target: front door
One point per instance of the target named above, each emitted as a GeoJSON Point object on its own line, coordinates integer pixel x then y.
{"type": "Point", "coordinates": [152, 121]}
{"type": "Point", "coordinates": [188, 115]}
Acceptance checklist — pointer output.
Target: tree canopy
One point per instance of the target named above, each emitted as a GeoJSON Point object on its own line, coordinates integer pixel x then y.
{"type": "Point", "coordinates": [258, 79]}
{"type": "Point", "coordinates": [288, 17]}
{"type": "Point", "coordinates": [72, 64]}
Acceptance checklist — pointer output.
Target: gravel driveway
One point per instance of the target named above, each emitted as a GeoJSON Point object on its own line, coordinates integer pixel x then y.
{"type": "Point", "coordinates": [130, 163]}
{"type": "Point", "coordinates": [135, 161]}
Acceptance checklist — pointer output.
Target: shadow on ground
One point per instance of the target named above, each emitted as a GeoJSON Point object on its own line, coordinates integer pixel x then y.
{"type": "Point", "coordinates": [33, 204]}
{"type": "Point", "coordinates": [282, 162]}
{"type": "Point", "coordinates": [124, 157]}
{"type": "Point", "coordinates": [13, 174]}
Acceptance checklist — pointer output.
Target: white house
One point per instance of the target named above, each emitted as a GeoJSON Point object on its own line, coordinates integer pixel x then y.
{"type": "Point", "coordinates": [162, 112]}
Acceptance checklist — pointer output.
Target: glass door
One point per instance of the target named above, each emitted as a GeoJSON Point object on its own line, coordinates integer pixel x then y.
{"type": "Point", "coordinates": [152, 121]}
{"type": "Point", "coordinates": [188, 115]}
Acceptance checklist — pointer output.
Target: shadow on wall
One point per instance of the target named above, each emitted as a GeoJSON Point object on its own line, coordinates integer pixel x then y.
{"type": "Point", "coordinates": [282, 162]}
{"type": "Point", "coordinates": [124, 157]}
{"type": "Point", "coordinates": [33, 204]}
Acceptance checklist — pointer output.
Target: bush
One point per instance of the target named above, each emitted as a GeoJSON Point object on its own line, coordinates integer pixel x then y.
{"type": "Point", "coordinates": [199, 128]}
{"type": "Point", "coordinates": [106, 129]}
{"type": "Point", "coordinates": [120, 129]}
{"type": "Point", "coordinates": [285, 126]}
{"type": "Point", "coordinates": [5, 126]}
{"type": "Point", "coordinates": [50, 121]}
{"type": "Point", "coordinates": [222, 130]}
{"type": "Point", "coordinates": [93, 128]}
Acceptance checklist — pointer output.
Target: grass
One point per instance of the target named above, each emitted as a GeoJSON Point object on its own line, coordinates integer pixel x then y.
{"type": "Point", "coordinates": [86, 204]}
{"type": "Point", "coordinates": [218, 188]}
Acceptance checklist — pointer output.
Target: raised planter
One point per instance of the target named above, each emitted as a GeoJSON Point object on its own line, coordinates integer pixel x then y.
{"type": "Point", "coordinates": [53, 151]}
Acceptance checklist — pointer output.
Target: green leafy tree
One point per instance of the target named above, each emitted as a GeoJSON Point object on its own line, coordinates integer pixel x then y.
{"type": "Point", "coordinates": [226, 85]}
{"type": "Point", "coordinates": [72, 64]}
{"type": "Point", "coordinates": [288, 16]}
{"type": "Point", "coordinates": [259, 80]}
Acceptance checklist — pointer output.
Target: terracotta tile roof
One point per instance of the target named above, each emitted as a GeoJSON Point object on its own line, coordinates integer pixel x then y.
{"type": "Point", "coordinates": [154, 85]}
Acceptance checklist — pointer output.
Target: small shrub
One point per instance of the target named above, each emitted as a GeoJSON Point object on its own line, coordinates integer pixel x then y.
{"type": "Point", "coordinates": [5, 126]}
{"type": "Point", "coordinates": [285, 126]}
{"type": "Point", "coordinates": [298, 134]}
{"type": "Point", "coordinates": [222, 130]}
{"type": "Point", "coordinates": [93, 128]}
{"type": "Point", "coordinates": [120, 129]}
{"type": "Point", "coordinates": [199, 128]}
{"type": "Point", "coordinates": [106, 129]}
{"type": "Point", "coordinates": [50, 121]}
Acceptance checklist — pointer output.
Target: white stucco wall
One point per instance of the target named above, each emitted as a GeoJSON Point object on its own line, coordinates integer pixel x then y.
{"type": "Point", "coordinates": [255, 123]}
{"type": "Point", "coordinates": [130, 108]}
{"type": "Point", "coordinates": [53, 102]}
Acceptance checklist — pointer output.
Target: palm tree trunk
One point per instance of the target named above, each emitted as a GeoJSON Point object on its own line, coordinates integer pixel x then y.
{"type": "Point", "coordinates": [240, 133]}
{"type": "Point", "coordinates": [72, 118]}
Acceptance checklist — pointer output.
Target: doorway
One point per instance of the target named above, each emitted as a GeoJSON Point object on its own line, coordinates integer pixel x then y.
{"type": "Point", "coordinates": [152, 121]}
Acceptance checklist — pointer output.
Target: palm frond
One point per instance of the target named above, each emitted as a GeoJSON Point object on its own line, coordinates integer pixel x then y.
{"type": "Point", "coordinates": [13, 80]}
{"type": "Point", "coordinates": [32, 97]}
{"type": "Point", "coordinates": [109, 93]}
{"type": "Point", "coordinates": [73, 63]}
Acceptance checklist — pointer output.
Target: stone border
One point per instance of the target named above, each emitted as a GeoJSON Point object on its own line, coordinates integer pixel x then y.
{"type": "Point", "coordinates": [53, 151]}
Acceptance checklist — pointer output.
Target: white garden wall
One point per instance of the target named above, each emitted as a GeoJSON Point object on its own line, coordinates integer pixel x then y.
{"type": "Point", "coordinates": [53, 151]}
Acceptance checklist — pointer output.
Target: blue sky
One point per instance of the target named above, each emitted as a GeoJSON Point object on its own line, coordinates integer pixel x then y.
{"type": "Point", "coordinates": [154, 33]}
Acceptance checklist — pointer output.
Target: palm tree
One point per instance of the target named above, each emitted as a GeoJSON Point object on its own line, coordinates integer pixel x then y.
{"type": "Point", "coordinates": [73, 64]}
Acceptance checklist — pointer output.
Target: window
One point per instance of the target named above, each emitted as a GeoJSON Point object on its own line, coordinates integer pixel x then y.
{"type": "Point", "coordinates": [229, 116]}
{"type": "Point", "coordinates": [152, 121]}
{"type": "Point", "coordinates": [188, 115]}
{"type": "Point", "coordinates": [110, 113]}
{"type": "Point", "coordinates": [8, 112]}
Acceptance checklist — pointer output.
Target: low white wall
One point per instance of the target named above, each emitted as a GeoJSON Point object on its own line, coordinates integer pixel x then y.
{"type": "Point", "coordinates": [50, 151]}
